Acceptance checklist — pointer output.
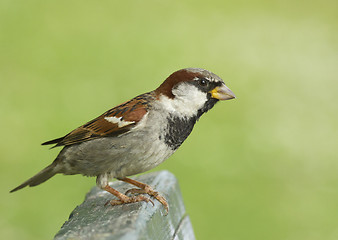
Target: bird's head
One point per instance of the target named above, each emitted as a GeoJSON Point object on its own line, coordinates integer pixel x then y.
{"type": "Point", "coordinates": [192, 91]}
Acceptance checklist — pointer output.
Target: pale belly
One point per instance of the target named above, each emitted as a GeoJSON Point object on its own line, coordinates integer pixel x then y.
{"type": "Point", "coordinates": [121, 156]}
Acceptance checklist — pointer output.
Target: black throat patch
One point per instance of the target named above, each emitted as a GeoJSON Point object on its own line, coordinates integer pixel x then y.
{"type": "Point", "coordinates": [178, 129]}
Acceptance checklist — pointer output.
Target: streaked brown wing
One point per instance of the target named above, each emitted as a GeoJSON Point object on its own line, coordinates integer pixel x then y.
{"type": "Point", "coordinates": [112, 123]}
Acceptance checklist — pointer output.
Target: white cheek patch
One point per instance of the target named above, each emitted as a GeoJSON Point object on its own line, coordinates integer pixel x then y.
{"type": "Point", "coordinates": [120, 123]}
{"type": "Point", "coordinates": [188, 100]}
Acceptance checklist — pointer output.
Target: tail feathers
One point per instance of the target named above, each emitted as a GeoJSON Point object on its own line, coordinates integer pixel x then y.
{"type": "Point", "coordinates": [41, 177]}
{"type": "Point", "coordinates": [54, 141]}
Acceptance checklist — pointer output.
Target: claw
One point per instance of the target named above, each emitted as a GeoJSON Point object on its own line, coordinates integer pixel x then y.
{"type": "Point", "coordinates": [151, 193]}
{"type": "Point", "coordinates": [124, 199]}
{"type": "Point", "coordinates": [145, 189]}
{"type": "Point", "coordinates": [130, 200]}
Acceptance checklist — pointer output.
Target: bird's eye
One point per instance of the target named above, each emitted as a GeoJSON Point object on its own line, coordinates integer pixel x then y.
{"type": "Point", "coordinates": [203, 82]}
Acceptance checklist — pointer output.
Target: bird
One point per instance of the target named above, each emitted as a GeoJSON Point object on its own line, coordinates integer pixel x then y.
{"type": "Point", "coordinates": [136, 135]}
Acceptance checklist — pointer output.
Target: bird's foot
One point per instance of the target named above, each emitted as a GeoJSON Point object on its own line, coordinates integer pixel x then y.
{"type": "Point", "coordinates": [134, 199]}
{"type": "Point", "coordinates": [124, 199]}
{"type": "Point", "coordinates": [148, 190]}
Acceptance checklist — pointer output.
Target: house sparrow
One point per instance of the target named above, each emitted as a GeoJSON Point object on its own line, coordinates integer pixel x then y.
{"type": "Point", "coordinates": [137, 135]}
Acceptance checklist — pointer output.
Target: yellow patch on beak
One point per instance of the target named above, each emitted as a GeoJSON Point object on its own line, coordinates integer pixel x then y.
{"type": "Point", "coordinates": [222, 93]}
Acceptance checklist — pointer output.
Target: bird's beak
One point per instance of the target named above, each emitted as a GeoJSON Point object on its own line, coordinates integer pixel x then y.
{"type": "Point", "coordinates": [222, 93]}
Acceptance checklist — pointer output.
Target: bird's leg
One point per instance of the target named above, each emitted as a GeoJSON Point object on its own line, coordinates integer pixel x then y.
{"type": "Point", "coordinates": [144, 188]}
{"type": "Point", "coordinates": [124, 199]}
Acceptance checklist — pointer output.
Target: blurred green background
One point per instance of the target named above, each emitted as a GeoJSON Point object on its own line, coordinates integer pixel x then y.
{"type": "Point", "coordinates": [262, 166]}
